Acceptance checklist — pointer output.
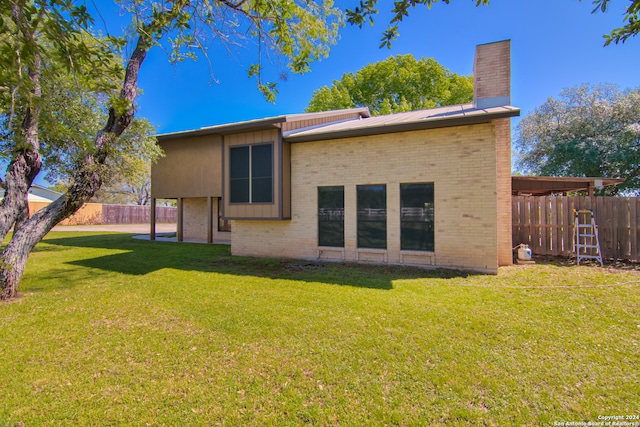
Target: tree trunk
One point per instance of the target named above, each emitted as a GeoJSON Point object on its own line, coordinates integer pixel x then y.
{"type": "Point", "coordinates": [20, 175]}
{"type": "Point", "coordinates": [15, 254]}
{"type": "Point", "coordinates": [87, 181]}
{"type": "Point", "coordinates": [26, 162]}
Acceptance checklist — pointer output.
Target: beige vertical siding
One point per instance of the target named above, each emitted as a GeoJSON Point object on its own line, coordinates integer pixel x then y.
{"type": "Point", "coordinates": [286, 180]}
{"type": "Point", "coordinates": [192, 167]}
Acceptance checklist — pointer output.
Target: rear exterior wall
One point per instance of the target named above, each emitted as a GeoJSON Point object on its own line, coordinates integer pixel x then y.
{"type": "Point", "coordinates": [195, 218]}
{"type": "Point", "coordinates": [460, 161]}
{"type": "Point", "coordinates": [191, 167]}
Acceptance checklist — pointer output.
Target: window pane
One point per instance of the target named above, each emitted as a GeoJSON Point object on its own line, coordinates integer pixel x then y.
{"type": "Point", "coordinates": [239, 174]}
{"type": "Point", "coordinates": [372, 216]}
{"type": "Point", "coordinates": [239, 162]}
{"type": "Point", "coordinates": [251, 174]}
{"type": "Point", "coordinates": [416, 217]}
{"type": "Point", "coordinates": [262, 190]}
{"type": "Point", "coordinates": [262, 173]}
{"type": "Point", "coordinates": [261, 161]}
{"type": "Point", "coordinates": [331, 216]}
{"type": "Point", "coordinates": [239, 190]}
{"type": "Point", "coordinates": [415, 236]}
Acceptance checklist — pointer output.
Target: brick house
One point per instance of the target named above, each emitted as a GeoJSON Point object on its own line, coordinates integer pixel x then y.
{"type": "Point", "coordinates": [428, 188]}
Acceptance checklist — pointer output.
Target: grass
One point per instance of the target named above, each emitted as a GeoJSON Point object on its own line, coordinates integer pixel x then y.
{"type": "Point", "coordinates": [116, 331]}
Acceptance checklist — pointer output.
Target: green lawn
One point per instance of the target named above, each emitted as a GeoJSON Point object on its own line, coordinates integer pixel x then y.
{"type": "Point", "coordinates": [116, 331]}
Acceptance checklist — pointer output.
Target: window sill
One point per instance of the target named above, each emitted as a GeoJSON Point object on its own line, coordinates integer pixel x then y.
{"type": "Point", "coordinates": [417, 257]}
{"type": "Point", "coordinates": [250, 203]}
{"type": "Point", "coordinates": [330, 253]}
{"type": "Point", "coordinates": [417, 252]}
{"type": "Point", "coordinates": [372, 255]}
{"type": "Point", "coordinates": [372, 250]}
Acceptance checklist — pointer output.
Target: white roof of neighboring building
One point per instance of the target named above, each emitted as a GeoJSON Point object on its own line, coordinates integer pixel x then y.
{"type": "Point", "coordinates": [38, 193]}
{"type": "Point", "coordinates": [36, 198]}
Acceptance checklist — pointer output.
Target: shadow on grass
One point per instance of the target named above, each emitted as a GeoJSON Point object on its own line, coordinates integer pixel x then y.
{"type": "Point", "coordinates": [143, 257]}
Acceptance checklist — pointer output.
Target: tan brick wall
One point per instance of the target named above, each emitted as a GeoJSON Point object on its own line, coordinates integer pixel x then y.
{"type": "Point", "coordinates": [460, 161]}
{"type": "Point", "coordinates": [503, 185]}
{"type": "Point", "coordinates": [195, 220]}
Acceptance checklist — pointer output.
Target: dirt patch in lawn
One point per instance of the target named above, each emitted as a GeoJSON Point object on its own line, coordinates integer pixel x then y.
{"type": "Point", "coordinates": [610, 264]}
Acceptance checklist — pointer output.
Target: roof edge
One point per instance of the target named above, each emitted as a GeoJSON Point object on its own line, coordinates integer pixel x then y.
{"type": "Point", "coordinates": [225, 128]}
{"type": "Point", "coordinates": [363, 111]}
{"type": "Point", "coordinates": [260, 124]}
{"type": "Point", "coordinates": [406, 127]}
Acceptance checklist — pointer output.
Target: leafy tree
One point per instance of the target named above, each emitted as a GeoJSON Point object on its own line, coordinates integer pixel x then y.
{"type": "Point", "coordinates": [135, 189]}
{"type": "Point", "coordinates": [587, 131]}
{"type": "Point", "coordinates": [39, 37]}
{"type": "Point", "coordinates": [366, 11]}
{"type": "Point", "coordinates": [631, 17]}
{"type": "Point", "coordinates": [72, 113]}
{"type": "Point", "coordinates": [399, 83]}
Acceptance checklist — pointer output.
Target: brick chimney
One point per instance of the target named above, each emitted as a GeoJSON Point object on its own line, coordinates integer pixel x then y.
{"type": "Point", "coordinates": [492, 75]}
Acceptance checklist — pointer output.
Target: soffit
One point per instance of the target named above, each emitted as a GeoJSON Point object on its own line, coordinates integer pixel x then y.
{"type": "Point", "coordinates": [455, 115]}
{"type": "Point", "coordinates": [546, 185]}
{"type": "Point", "coordinates": [260, 124]}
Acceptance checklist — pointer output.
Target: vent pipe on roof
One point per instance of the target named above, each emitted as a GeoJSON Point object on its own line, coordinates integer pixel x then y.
{"type": "Point", "coordinates": [492, 75]}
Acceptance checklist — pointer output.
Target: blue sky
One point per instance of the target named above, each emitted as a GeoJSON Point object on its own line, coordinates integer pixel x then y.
{"type": "Point", "coordinates": [555, 44]}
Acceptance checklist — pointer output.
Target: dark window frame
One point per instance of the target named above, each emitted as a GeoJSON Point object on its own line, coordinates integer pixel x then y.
{"type": "Point", "coordinates": [224, 225]}
{"type": "Point", "coordinates": [372, 216]}
{"type": "Point", "coordinates": [255, 189]}
{"type": "Point", "coordinates": [330, 217]}
{"type": "Point", "coordinates": [417, 217]}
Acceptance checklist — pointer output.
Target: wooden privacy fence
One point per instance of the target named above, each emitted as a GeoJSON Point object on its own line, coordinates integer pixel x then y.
{"type": "Point", "coordinates": [125, 214]}
{"type": "Point", "coordinates": [97, 213]}
{"type": "Point", "coordinates": [546, 224]}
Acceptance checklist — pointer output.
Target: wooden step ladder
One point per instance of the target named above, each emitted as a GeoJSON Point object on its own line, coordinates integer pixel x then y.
{"type": "Point", "coordinates": [586, 243]}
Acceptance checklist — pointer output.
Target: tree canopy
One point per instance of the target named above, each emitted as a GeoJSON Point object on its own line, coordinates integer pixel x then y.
{"type": "Point", "coordinates": [367, 9]}
{"type": "Point", "coordinates": [42, 41]}
{"type": "Point", "coordinates": [72, 110]}
{"type": "Point", "coordinates": [631, 17]}
{"type": "Point", "coordinates": [587, 131]}
{"type": "Point", "coordinates": [399, 83]}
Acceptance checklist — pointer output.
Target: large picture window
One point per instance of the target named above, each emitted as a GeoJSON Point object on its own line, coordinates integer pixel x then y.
{"type": "Point", "coordinates": [372, 216]}
{"type": "Point", "coordinates": [251, 174]}
{"type": "Point", "coordinates": [416, 217]}
{"type": "Point", "coordinates": [331, 216]}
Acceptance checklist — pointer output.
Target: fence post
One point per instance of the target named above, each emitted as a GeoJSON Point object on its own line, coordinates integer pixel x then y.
{"type": "Point", "coordinates": [152, 219]}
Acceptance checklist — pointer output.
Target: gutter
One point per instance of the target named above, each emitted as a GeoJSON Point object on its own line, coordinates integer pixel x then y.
{"type": "Point", "coordinates": [404, 127]}
{"type": "Point", "coordinates": [249, 126]}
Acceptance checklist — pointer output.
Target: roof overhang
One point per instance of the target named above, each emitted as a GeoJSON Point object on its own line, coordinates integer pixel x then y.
{"type": "Point", "coordinates": [248, 126]}
{"type": "Point", "coordinates": [441, 121]}
{"type": "Point", "coordinates": [261, 124]}
{"type": "Point", "coordinates": [546, 185]}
